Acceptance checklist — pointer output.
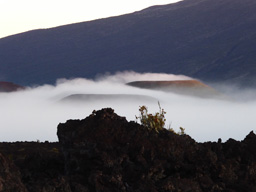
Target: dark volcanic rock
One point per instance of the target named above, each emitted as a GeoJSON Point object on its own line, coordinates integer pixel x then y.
{"type": "Point", "coordinates": [10, 178]}
{"type": "Point", "coordinates": [112, 154]}
{"type": "Point", "coordinates": [40, 164]}
{"type": "Point", "coordinates": [105, 153]}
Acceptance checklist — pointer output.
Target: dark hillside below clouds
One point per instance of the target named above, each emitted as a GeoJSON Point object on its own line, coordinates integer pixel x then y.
{"type": "Point", "coordinates": [213, 40]}
{"type": "Point", "coordinates": [9, 87]}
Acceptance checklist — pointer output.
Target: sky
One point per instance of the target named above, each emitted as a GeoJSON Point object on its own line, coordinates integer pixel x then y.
{"type": "Point", "coordinates": [35, 113]}
{"type": "Point", "coordinates": [18, 16]}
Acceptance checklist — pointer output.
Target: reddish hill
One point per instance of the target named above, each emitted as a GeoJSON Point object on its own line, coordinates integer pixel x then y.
{"type": "Point", "coordinates": [185, 87]}
{"type": "Point", "coordinates": [9, 87]}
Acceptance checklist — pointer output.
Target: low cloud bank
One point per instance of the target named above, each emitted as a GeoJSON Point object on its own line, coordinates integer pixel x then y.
{"type": "Point", "coordinates": [34, 114]}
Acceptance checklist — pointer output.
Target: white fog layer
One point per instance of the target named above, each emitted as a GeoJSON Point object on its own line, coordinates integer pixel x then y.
{"type": "Point", "coordinates": [33, 114]}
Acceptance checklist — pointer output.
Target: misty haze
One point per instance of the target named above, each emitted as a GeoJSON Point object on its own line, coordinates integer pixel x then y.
{"type": "Point", "coordinates": [33, 114]}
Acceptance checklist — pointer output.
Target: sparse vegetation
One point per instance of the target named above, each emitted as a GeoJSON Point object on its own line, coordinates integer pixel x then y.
{"type": "Point", "coordinates": [182, 131]}
{"type": "Point", "coordinates": [155, 122]}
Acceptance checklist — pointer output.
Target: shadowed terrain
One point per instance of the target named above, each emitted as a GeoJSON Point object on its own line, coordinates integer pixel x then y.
{"type": "Point", "coordinates": [105, 152]}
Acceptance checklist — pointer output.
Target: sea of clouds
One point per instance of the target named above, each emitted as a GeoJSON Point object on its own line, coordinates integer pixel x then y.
{"type": "Point", "coordinates": [33, 114]}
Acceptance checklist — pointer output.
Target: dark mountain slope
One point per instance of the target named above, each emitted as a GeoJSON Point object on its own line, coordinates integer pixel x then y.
{"type": "Point", "coordinates": [213, 40]}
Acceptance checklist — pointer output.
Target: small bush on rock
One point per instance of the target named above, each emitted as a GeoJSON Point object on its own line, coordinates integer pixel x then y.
{"type": "Point", "coordinates": [152, 122]}
{"type": "Point", "coordinates": [182, 131]}
{"type": "Point", "coordinates": [157, 121]}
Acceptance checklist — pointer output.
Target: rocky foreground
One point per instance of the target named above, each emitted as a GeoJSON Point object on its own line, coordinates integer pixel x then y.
{"type": "Point", "coordinates": [105, 153]}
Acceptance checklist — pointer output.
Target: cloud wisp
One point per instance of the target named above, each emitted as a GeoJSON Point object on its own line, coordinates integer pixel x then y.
{"type": "Point", "coordinates": [33, 114]}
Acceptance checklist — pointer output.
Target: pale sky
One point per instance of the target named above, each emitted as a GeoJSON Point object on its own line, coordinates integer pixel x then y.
{"type": "Point", "coordinates": [18, 16]}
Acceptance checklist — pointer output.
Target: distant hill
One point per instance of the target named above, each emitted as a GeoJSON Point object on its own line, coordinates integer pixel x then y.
{"type": "Point", "coordinates": [89, 98]}
{"type": "Point", "coordinates": [184, 87]}
{"type": "Point", "coordinates": [213, 40]}
{"type": "Point", "coordinates": [9, 87]}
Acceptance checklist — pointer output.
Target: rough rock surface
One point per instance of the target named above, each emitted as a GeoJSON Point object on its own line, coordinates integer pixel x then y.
{"type": "Point", "coordinates": [104, 152]}
{"type": "Point", "coordinates": [10, 178]}
{"type": "Point", "coordinates": [40, 164]}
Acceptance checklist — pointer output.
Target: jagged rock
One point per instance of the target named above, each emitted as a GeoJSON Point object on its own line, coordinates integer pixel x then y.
{"type": "Point", "coordinates": [116, 155]}
{"type": "Point", "coordinates": [40, 164]}
{"type": "Point", "coordinates": [10, 178]}
{"type": "Point", "coordinates": [105, 152]}
{"type": "Point", "coordinates": [110, 154]}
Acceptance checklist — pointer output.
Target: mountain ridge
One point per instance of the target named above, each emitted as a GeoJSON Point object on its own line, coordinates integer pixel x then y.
{"type": "Point", "coordinates": [209, 40]}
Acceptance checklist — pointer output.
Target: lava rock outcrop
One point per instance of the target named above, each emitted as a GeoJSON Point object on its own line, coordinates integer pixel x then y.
{"type": "Point", "coordinates": [10, 177]}
{"type": "Point", "coordinates": [105, 152]}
